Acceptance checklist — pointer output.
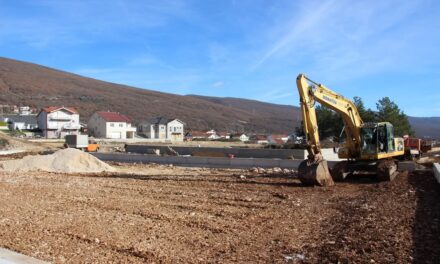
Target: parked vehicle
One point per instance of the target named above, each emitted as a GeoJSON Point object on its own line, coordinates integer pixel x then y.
{"type": "Point", "coordinates": [415, 147]}
{"type": "Point", "coordinates": [81, 142]}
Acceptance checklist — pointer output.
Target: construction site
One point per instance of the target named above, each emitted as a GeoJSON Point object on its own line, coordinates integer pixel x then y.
{"type": "Point", "coordinates": [194, 131]}
{"type": "Point", "coordinates": [67, 206]}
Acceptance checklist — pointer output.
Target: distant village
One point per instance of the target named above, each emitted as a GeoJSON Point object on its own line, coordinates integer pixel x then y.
{"type": "Point", "coordinates": [55, 122]}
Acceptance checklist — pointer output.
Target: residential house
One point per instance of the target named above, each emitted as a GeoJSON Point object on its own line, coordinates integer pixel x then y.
{"type": "Point", "coordinates": [191, 135]}
{"type": "Point", "coordinates": [212, 136]}
{"type": "Point", "coordinates": [224, 135]}
{"type": "Point", "coordinates": [162, 128]}
{"type": "Point", "coordinates": [210, 132]}
{"type": "Point", "coordinates": [277, 139]}
{"type": "Point", "coordinates": [241, 136]}
{"type": "Point", "coordinates": [175, 130]}
{"type": "Point", "coordinates": [22, 122]}
{"type": "Point", "coordinates": [106, 124]}
{"type": "Point", "coordinates": [24, 110]}
{"type": "Point", "coordinates": [57, 122]}
{"type": "Point", "coordinates": [259, 139]}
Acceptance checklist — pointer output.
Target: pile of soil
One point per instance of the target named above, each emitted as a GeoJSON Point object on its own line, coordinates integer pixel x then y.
{"type": "Point", "coordinates": [65, 160]}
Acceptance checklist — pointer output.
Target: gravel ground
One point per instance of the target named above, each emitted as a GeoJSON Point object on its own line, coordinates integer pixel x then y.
{"type": "Point", "coordinates": [175, 215]}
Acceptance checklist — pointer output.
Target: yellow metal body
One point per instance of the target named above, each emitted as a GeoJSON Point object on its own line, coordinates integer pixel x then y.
{"type": "Point", "coordinates": [311, 92]}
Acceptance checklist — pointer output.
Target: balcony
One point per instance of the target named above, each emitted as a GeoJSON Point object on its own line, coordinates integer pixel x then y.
{"type": "Point", "coordinates": [71, 126]}
{"type": "Point", "coordinates": [60, 118]}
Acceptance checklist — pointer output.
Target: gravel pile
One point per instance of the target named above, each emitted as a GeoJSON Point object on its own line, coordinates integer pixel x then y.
{"type": "Point", "coordinates": [65, 161]}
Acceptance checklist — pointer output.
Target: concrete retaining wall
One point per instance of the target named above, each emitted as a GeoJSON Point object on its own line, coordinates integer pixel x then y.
{"type": "Point", "coordinates": [436, 169]}
{"type": "Point", "coordinates": [209, 162]}
{"type": "Point", "coordinates": [328, 154]}
{"type": "Point", "coordinates": [237, 152]}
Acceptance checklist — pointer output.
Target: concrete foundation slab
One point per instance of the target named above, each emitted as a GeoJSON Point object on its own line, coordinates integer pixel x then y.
{"type": "Point", "coordinates": [220, 152]}
{"type": "Point", "coordinates": [207, 162]}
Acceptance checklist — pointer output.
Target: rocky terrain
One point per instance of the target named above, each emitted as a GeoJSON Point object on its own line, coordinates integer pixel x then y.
{"type": "Point", "coordinates": [164, 214]}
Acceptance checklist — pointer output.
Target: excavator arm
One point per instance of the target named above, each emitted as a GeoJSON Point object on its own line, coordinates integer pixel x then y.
{"type": "Point", "coordinates": [311, 92]}
{"type": "Point", "coordinates": [315, 170]}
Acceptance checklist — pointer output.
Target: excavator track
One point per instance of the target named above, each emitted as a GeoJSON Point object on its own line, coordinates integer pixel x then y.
{"type": "Point", "coordinates": [315, 173]}
{"type": "Point", "coordinates": [340, 171]}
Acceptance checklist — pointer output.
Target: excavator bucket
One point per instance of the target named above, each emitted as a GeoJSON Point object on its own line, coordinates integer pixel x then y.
{"type": "Point", "coordinates": [315, 173]}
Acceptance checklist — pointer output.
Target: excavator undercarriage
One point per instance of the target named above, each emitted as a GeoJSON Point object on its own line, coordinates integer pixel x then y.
{"type": "Point", "coordinates": [383, 170]}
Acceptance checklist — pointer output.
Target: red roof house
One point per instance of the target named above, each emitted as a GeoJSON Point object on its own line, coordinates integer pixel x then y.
{"type": "Point", "coordinates": [106, 124]}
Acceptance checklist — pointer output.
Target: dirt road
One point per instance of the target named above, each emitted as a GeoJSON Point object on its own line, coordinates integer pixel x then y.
{"type": "Point", "coordinates": [178, 215]}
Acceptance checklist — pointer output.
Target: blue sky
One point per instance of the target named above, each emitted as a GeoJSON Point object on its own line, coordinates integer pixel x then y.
{"type": "Point", "coordinates": [238, 48]}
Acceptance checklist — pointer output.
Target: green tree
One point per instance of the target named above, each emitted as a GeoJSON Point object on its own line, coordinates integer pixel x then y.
{"type": "Point", "coordinates": [367, 115]}
{"type": "Point", "coordinates": [388, 111]}
{"type": "Point", "coordinates": [330, 123]}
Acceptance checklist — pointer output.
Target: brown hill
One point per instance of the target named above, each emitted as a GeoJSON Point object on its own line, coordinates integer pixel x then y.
{"type": "Point", "coordinates": [25, 83]}
{"type": "Point", "coordinates": [426, 126]}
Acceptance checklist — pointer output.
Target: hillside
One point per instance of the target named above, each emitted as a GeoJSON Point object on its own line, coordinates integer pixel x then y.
{"type": "Point", "coordinates": [30, 84]}
{"type": "Point", "coordinates": [25, 83]}
{"type": "Point", "coordinates": [426, 126]}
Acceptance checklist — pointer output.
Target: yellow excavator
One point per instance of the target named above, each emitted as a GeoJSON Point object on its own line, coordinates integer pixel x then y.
{"type": "Point", "coordinates": [368, 146]}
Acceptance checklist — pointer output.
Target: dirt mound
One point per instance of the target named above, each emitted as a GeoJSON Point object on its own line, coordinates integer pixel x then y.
{"type": "Point", "coordinates": [65, 160]}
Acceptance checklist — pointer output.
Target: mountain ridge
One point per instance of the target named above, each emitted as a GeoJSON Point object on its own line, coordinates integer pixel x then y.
{"type": "Point", "coordinates": [24, 83]}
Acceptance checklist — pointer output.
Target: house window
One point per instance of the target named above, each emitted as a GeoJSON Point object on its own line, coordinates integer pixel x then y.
{"type": "Point", "coordinates": [175, 129]}
{"type": "Point", "coordinates": [112, 124]}
{"type": "Point", "coordinates": [121, 125]}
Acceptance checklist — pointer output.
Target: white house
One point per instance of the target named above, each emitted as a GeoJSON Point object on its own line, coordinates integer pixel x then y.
{"type": "Point", "coordinates": [244, 138]}
{"type": "Point", "coordinates": [175, 130]}
{"type": "Point", "coordinates": [211, 132]}
{"type": "Point", "coordinates": [277, 139]}
{"type": "Point", "coordinates": [57, 122]}
{"type": "Point", "coordinates": [22, 122]}
{"type": "Point", "coordinates": [259, 139]}
{"type": "Point", "coordinates": [213, 136]}
{"type": "Point", "coordinates": [110, 125]}
{"type": "Point", "coordinates": [162, 128]}
{"type": "Point", "coordinates": [24, 110]}
{"type": "Point", "coordinates": [224, 135]}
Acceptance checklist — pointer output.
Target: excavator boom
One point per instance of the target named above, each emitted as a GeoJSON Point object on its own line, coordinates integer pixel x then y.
{"type": "Point", "coordinates": [311, 92]}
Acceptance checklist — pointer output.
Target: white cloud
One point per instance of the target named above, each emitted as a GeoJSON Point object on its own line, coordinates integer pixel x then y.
{"type": "Point", "coordinates": [218, 84]}
{"type": "Point", "coordinates": [274, 95]}
{"type": "Point", "coordinates": [346, 39]}
{"type": "Point", "coordinates": [76, 22]}
{"type": "Point", "coordinates": [297, 29]}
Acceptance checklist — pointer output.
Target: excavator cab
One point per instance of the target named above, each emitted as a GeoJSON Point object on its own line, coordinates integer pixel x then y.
{"type": "Point", "coordinates": [377, 139]}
